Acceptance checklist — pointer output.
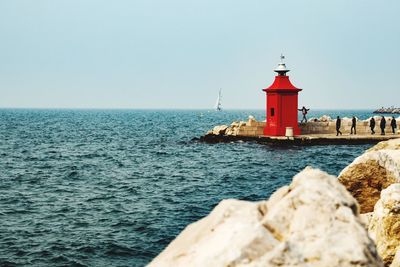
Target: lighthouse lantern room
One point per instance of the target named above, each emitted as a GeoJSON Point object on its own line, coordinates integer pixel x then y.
{"type": "Point", "coordinates": [282, 104]}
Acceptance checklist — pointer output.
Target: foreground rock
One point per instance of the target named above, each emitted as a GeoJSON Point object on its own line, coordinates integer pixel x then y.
{"type": "Point", "coordinates": [373, 171]}
{"type": "Point", "coordinates": [393, 144]}
{"type": "Point", "coordinates": [384, 227]}
{"type": "Point", "coordinates": [312, 222]}
{"type": "Point", "coordinates": [396, 260]}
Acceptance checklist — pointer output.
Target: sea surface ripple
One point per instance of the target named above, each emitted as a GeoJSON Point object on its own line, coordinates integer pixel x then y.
{"type": "Point", "coordinates": [114, 187]}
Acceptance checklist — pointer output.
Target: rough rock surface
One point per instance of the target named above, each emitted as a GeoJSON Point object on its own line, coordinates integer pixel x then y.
{"type": "Point", "coordinates": [373, 171]}
{"type": "Point", "coordinates": [366, 218]}
{"type": "Point", "coordinates": [219, 130]}
{"type": "Point", "coordinates": [325, 118]}
{"type": "Point", "coordinates": [252, 127]}
{"type": "Point", "coordinates": [252, 118]}
{"type": "Point", "coordinates": [393, 144]}
{"type": "Point", "coordinates": [312, 222]}
{"type": "Point", "coordinates": [396, 260]}
{"type": "Point", "coordinates": [384, 227]}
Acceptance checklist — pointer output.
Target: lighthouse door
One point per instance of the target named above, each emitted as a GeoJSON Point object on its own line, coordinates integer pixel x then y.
{"type": "Point", "coordinates": [272, 109]}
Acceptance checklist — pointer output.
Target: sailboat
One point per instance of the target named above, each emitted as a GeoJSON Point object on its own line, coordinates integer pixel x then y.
{"type": "Point", "coordinates": [218, 106]}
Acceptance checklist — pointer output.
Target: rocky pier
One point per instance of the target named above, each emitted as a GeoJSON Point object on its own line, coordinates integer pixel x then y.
{"type": "Point", "coordinates": [317, 131]}
{"type": "Point", "coordinates": [317, 220]}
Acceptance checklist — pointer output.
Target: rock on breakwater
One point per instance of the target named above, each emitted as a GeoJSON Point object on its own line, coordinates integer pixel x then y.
{"type": "Point", "coordinates": [252, 127]}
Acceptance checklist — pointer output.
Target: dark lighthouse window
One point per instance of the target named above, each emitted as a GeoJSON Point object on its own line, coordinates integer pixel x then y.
{"type": "Point", "coordinates": [272, 112]}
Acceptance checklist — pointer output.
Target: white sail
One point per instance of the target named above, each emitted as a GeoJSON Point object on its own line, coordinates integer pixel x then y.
{"type": "Point", "coordinates": [218, 105]}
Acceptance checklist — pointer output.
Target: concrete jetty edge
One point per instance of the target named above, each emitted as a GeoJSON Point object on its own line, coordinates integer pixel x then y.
{"type": "Point", "coordinates": [302, 140]}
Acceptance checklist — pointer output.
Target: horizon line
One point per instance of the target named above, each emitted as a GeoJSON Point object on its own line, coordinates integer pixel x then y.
{"type": "Point", "coordinates": [162, 108]}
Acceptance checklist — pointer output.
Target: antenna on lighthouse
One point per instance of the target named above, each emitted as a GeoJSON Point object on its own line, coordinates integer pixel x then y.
{"type": "Point", "coordinates": [282, 58]}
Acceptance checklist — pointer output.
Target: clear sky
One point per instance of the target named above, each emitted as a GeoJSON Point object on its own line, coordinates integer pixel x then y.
{"type": "Point", "coordinates": [178, 53]}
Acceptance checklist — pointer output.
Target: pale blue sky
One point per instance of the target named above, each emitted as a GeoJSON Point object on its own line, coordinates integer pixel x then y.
{"type": "Point", "coordinates": [177, 54]}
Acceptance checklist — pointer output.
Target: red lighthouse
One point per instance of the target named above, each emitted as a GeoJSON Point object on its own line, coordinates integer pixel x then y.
{"type": "Point", "coordinates": [282, 102]}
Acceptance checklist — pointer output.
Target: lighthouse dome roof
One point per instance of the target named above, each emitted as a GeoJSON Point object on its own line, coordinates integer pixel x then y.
{"type": "Point", "coordinates": [281, 68]}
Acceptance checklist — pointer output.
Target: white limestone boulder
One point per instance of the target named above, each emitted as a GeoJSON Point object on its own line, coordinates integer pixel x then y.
{"type": "Point", "coordinates": [366, 218]}
{"type": "Point", "coordinates": [325, 118]}
{"type": "Point", "coordinates": [242, 123]}
{"type": "Point", "coordinates": [371, 172]}
{"type": "Point", "coordinates": [219, 129]}
{"type": "Point", "coordinates": [232, 131]}
{"type": "Point", "coordinates": [235, 124]}
{"type": "Point", "coordinates": [251, 121]}
{"type": "Point", "coordinates": [393, 144]}
{"type": "Point", "coordinates": [384, 227]}
{"type": "Point", "coordinates": [229, 131]}
{"type": "Point", "coordinates": [312, 222]}
{"type": "Point", "coordinates": [396, 260]}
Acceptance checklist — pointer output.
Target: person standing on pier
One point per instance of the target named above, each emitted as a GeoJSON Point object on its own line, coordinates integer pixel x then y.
{"type": "Point", "coordinates": [383, 125]}
{"type": "Point", "coordinates": [304, 111]}
{"type": "Point", "coordinates": [372, 125]}
{"type": "Point", "coordinates": [393, 124]}
{"type": "Point", "coordinates": [338, 124]}
{"type": "Point", "coordinates": [353, 125]}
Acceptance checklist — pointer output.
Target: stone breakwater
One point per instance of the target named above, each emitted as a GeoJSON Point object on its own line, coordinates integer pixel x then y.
{"type": "Point", "coordinates": [320, 131]}
{"type": "Point", "coordinates": [392, 110]}
{"type": "Point", "coordinates": [317, 220]}
{"type": "Point", "coordinates": [322, 125]}
{"type": "Point", "coordinates": [252, 127]}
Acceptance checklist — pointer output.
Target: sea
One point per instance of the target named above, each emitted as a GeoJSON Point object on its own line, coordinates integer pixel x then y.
{"type": "Point", "coordinates": [115, 187]}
